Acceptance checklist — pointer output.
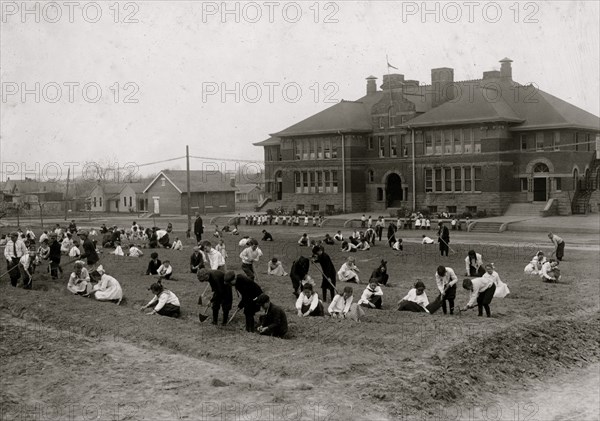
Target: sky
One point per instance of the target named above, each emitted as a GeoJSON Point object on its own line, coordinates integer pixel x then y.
{"type": "Point", "coordinates": [133, 83]}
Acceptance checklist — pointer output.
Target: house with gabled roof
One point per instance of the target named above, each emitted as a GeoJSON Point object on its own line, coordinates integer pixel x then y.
{"type": "Point", "coordinates": [473, 146]}
{"type": "Point", "coordinates": [118, 197]}
{"type": "Point", "coordinates": [210, 192]}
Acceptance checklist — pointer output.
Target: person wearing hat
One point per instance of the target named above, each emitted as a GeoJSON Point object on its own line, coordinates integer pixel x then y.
{"type": "Point", "coordinates": [327, 269]}
{"type": "Point", "coordinates": [165, 302]}
{"type": "Point", "coordinates": [197, 259]}
{"type": "Point", "coordinates": [54, 256]}
{"type": "Point", "coordinates": [416, 300]}
{"type": "Point", "coordinates": [107, 288]}
{"type": "Point", "coordinates": [222, 294]}
{"type": "Point", "coordinates": [14, 249]}
{"type": "Point", "coordinates": [249, 291]}
{"type": "Point", "coordinates": [79, 281]}
{"type": "Point", "coordinates": [89, 249]}
{"type": "Point", "coordinates": [250, 255]}
{"type": "Point", "coordinates": [274, 321]}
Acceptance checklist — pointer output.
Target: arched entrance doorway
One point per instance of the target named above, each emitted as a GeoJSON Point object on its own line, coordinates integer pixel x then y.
{"type": "Point", "coordinates": [540, 182]}
{"type": "Point", "coordinates": [394, 191]}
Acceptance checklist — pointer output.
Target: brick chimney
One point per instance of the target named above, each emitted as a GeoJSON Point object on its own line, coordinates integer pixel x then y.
{"type": "Point", "coordinates": [392, 81]}
{"type": "Point", "coordinates": [442, 80]}
{"type": "Point", "coordinates": [371, 85]}
{"type": "Point", "coordinates": [506, 69]}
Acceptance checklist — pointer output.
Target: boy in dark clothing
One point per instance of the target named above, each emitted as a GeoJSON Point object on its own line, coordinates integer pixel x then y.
{"type": "Point", "coordinates": [267, 236]}
{"type": "Point", "coordinates": [298, 272]}
{"type": "Point", "coordinates": [274, 321]}
{"type": "Point", "coordinates": [443, 238]}
{"type": "Point", "coordinates": [319, 256]}
{"type": "Point", "coordinates": [249, 290]}
{"type": "Point", "coordinates": [196, 260]}
{"type": "Point", "coordinates": [54, 257]}
{"type": "Point", "coordinates": [153, 264]}
{"type": "Point", "coordinates": [89, 249]}
{"type": "Point", "coordinates": [222, 293]}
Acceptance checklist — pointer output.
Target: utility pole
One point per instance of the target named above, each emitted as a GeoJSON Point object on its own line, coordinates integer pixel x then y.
{"type": "Point", "coordinates": [189, 195]}
{"type": "Point", "coordinates": [67, 193]}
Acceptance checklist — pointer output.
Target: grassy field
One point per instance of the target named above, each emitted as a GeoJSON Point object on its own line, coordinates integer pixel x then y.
{"type": "Point", "coordinates": [68, 357]}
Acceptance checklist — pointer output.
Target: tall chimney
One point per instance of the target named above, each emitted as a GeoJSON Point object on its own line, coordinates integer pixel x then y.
{"type": "Point", "coordinates": [442, 80]}
{"type": "Point", "coordinates": [371, 85]}
{"type": "Point", "coordinates": [506, 69]}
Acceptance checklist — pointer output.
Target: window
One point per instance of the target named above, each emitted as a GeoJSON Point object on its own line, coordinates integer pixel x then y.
{"type": "Point", "coordinates": [438, 142]}
{"type": "Point", "coordinates": [320, 145]}
{"type": "Point", "coordinates": [314, 208]}
{"type": "Point", "coordinates": [524, 184]}
{"type": "Point", "coordinates": [330, 209]}
{"type": "Point", "coordinates": [438, 179]}
{"type": "Point", "coordinates": [335, 144]}
{"type": "Point", "coordinates": [556, 141]}
{"type": "Point", "coordinates": [334, 181]}
{"type": "Point", "coordinates": [391, 118]}
{"type": "Point", "coordinates": [477, 172]}
{"type": "Point", "coordinates": [327, 148]}
{"type": "Point", "coordinates": [94, 201]}
{"type": "Point", "coordinates": [370, 142]}
{"type": "Point", "coordinates": [304, 182]}
{"type": "Point", "coordinates": [130, 202]}
{"type": "Point", "coordinates": [472, 209]}
{"type": "Point", "coordinates": [162, 181]}
{"type": "Point", "coordinates": [327, 182]}
{"type": "Point", "coordinates": [428, 144]}
{"type": "Point", "coordinates": [117, 203]}
{"type": "Point", "coordinates": [457, 179]}
{"type": "Point", "coordinates": [297, 149]}
{"type": "Point", "coordinates": [576, 141]}
{"type": "Point", "coordinates": [432, 209]}
{"type": "Point", "coordinates": [320, 185]}
{"type": "Point", "coordinates": [467, 140]}
{"type": "Point", "coordinates": [381, 123]}
{"type": "Point", "coordinates": [588, 140]}
{"type": "Point", "coordinates": [476, 141]}
{"type": "Point", "coordinates": [451, 209]}
{"type": "Point", "coordinates": [448, 179]}
{"type": "Point", "coordinates": [298, 181]}
{"type": "Point", "coordinates": [393, 146]}
{"type": "Point", "coordinates": [539, 141]}
{"type": "Point", "coordinates": [523, 142]}
{"type": "Point", "coordinates": [405, 151]}
{"type": "Point", "coordinates": [403, 146]}
{"type": "Point", "coordinates": [379, 194]}
{"type": "Point", "coordinates": [428, 180]}
{"type": "Point", "coordinates": [467, 179]}
{"type": "Point", "coordinates": [371, 176]}
{"type": "Point", "coordinates": [313, 146]}
{"type": "Point", "coordinates": [305, 149]}
{"type": "Point", "coordinates": [313, 181]}
{"type": "Point", "coordinates": [457, 141]}
{"type": "Point", "coordinates": [448, 141]}
{"type": "Point", "coordinates": [381, 147]}
{"type": "Point", "coordinates": [300, 207]}
{"type": "Point", "coordinates": [558, 184]}
{"type": "Point", "coordinates": [100, 202]}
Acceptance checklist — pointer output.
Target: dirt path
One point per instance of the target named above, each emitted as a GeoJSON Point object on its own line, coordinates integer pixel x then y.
{"type": "Point", "coordinates": [570, 397]}
{"type": "Point", "coordinates": [74, 377]}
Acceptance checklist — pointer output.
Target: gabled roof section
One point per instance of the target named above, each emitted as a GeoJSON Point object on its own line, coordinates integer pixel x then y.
{"type": "Point", "coordinates": [247, 188]}
{"type": "Point", "coordinates": [200, 181]}
{"type": "Point", "coordinates": [271, 141]}
{"type": "Point", "coordinates": [345, 116]}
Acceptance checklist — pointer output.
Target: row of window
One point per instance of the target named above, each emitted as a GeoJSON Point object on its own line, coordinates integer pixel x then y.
{"type": "Point", "coordinates": [96, 202]}
{"type": "Point", "coordinates": [452, 141]}
{"type": "Point", "coordinates": [526, 186]}
{"type": "Point", "coordinates": [550, 141]}
{"type": "Point", "coordinates": [315, 208]}
{"type": "Point", "coordinates": [316, 181]}
{"type": "Point", "coordinates": [394, 147]}
{"type": "Point", "coordinates": [391, 120]}
{"type": "Point", "coordinates": [452, 179]}
{"type": "Point", "coordinates": [312, 149]}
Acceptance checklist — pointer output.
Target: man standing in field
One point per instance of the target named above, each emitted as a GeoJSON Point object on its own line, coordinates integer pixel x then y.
{"type": "Point", "coordinates": [13, 251]}
{"type": "Point", "coordinates": [198, 228]}
{"type": "Point", "coordinates": [443, 238]}
{"type": "Point", "coordinates": [250, 255]}
{"type": "Point", "coordinates": [559, 245]}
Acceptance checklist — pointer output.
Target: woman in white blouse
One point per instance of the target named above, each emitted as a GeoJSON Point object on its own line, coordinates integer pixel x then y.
{"type": "Point", "coordinates": [416, 300]}
{"type": "Point", "coordinates": [107, 288]}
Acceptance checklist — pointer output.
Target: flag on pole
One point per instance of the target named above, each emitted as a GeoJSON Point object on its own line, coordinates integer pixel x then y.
{"type": "Point", "coordinates": [389, 65]}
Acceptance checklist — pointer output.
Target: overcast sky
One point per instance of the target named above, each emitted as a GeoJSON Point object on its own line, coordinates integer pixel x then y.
{"type": "Point", "coordinates": [171, 61]}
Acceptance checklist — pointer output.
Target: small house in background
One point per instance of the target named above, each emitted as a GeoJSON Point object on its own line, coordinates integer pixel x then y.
{"type": "Point", "coordinates": [248, 193]}
{"type": "Point", "coordinates": [28, 192]}
{"type": "Point", "coordinates": [118, 197]}
{"type": "Point", "coordinates": [211, 192]}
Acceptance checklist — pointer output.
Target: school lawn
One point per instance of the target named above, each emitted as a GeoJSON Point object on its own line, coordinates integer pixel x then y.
{"type": "Point", "coordinates": [58, 349]}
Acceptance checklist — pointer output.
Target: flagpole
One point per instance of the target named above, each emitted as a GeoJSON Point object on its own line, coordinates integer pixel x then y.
{"type": "Point", "coordinates": [387, 61]}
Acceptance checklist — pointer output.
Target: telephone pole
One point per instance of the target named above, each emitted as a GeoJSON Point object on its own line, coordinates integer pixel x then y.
{"type": "Point", "coordinates": [189, 195]}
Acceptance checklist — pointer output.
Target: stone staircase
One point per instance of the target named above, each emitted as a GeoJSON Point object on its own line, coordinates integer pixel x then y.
{"type": "Point", "coordinates": [525, 209]}
{"type": "Point", "coordinates": [482, 226]}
